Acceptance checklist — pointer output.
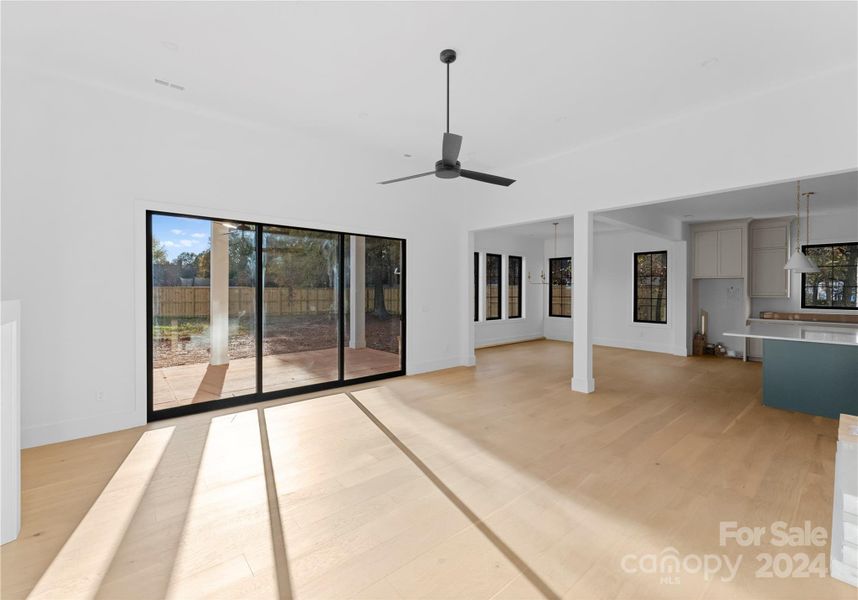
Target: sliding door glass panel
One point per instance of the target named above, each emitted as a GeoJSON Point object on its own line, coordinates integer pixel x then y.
{"type": "Point", "coordinates": [203, 292]}
{"type": "Point", "coordinates": [373, 300]}
{"type": "Point", "coordinates": [300, 323]}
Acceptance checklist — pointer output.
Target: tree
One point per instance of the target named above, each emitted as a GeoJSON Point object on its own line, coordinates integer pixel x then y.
{"type": "Point", "coordinates": [187, 263]}
{"type": "Point", "coordinates": [382, 257]}
{"type": "Point", "coordinates": [242, 258]}
{"type": "Point", "coordinates": [159, 253]}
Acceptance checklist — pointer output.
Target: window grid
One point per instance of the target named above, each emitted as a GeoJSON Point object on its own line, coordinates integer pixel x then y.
{"type": "Point", "coordinates": [836, 285]}
{"type": "Point", "coordinates": [514, 287]}
{"type": "Point", "coordinates": [650, 287]}
{"type": "Point", "coordinates": [493, 287]}
{"type": "Point", "coordinates": [560, 287]}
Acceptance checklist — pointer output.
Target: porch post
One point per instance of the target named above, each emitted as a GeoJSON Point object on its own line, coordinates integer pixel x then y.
{"type": "Point", "coordinates": [219, 295]}
{"type": "Point", "coordinates": [357, 291]}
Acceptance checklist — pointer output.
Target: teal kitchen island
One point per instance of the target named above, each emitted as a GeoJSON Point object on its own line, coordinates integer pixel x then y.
{"type": "Point", "coordinates": [808, 367]}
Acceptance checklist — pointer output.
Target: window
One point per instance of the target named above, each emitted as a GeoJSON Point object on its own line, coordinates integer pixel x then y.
{"type": "Point", "coordinates": [560, 287]}
{"type": "Point", "coordinates": [835, 285]}
{"type": "Point", "coordinates": [476, 286]}
{"type": "Point", "coordinates": [514, 288]}
{"type": "Point", "coordinates": [239, 312]}
{"type": "Point", "coordinates": [493, 288]}
{"type": "Point", "coordinates": [650, 287]}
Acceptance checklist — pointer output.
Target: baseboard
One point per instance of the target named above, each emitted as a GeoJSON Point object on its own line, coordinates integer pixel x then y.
{"type": "Point", "coordinates": [645, 346]}
{"type": "Point", "coordinates": [557, 339]}
{"type": "Point", "coordinates": [426, 366]}
{"type": "Point", "coordinates": [843, 572]}
{"type": "Point", "coordinates": [509, 340]}
{"type": "Point", "coordinates": [583, 385]}
{"type": "Point", "coordinates": [72, 429]}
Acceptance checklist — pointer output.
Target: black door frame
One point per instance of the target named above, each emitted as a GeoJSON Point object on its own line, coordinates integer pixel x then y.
{"type": "Point", "coordinates": [259, 395]}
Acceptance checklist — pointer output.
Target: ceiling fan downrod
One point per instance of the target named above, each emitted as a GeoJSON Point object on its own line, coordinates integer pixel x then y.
{"type": "Point", "coordinates": [448, 56]}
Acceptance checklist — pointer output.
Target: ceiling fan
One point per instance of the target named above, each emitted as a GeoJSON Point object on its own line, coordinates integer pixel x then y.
{"type": "Point", "coordinates": [449, 166]}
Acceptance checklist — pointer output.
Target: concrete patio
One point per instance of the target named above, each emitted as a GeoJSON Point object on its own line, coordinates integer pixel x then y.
{"type": "Point", "coordinates": [203, 382]}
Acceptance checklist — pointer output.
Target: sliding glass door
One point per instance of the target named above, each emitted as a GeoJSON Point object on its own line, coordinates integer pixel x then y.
{"type": "Point", "coordinates": [240, 311]}
{"type": "Point", "coordinates": [203, 312]}
{"type": "Point", "coordinates": [373, 305]}
{"type": "Point", "coordinates": [300, 308]}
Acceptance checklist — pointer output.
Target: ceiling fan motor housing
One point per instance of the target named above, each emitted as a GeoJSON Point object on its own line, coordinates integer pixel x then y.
{"type": "Point", "coordinates": [445, 171]}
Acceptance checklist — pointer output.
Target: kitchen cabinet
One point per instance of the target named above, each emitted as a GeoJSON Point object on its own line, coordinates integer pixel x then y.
{"type": "Point", "coordinates": [769, 254]}
{"type": "Point", "coordinates": [719, 250]}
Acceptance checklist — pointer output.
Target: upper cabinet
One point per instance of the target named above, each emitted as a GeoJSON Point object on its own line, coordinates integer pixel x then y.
{"type": "Point", "coordinates": [719, 250]}
{"type": "Point", "coordinates": [769, 254]}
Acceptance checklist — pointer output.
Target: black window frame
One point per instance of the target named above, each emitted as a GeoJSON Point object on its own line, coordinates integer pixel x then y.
{"type": "Point", "coordinates": [476, 287]}
{"type": "Point", "coordinates": [635, 288]}
{"type": "Point", "coordinates": [551, 263]}
{"type": "Point", "coordinates": [499, 258]}
{"type": "Point", "coordinates": [804, 286]}
{"type": "Point", "coordinates": [509, 271]}
{"type": "Point", "coordinates": [259, 395]}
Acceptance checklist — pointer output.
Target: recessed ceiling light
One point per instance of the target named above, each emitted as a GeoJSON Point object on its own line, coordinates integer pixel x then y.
{"type": "Point", "coordinates": [709, 62]}
{"type": "Point", "coordinates": [170, 45]}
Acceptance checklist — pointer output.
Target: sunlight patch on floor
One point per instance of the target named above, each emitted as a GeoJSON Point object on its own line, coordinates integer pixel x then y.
{"type": "Point", "coordinates": [225, 547]}
{"type": "Point", "coordinates": [78, 569]}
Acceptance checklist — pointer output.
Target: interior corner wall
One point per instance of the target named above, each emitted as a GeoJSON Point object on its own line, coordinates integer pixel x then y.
{"type": "Point", "coordinates": [529, 327]}
{"type": "Point", "coordinates": [557, 328]}
{"type": "Point", "coordinates": [82, 162]}
{"type": "Point", "coordinates": [613, 287]}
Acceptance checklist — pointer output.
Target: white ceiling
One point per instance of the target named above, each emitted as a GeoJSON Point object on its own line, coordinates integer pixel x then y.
{"type": "Point", "coordinates": [532, 80]}
{"type": "Point", "coordinates": [833, 194]}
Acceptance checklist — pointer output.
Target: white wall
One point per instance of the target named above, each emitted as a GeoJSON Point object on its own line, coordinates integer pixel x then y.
{"type": "Point", "coordinates": [528, 327]}
{"type": "Point", "coordinates": [80, 166]}
{"type": "Point", "coordinates": [824, 229]}
{"type": "Point", "coordinates": [613, 293]}
{"type": "Point", "coordinates": [557, 328]}
{"type": "Point", "coordinates": [724, 300]}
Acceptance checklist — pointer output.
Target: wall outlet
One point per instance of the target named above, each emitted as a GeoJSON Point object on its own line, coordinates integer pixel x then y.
{"type": "Point", "coordinates": [99, 395]}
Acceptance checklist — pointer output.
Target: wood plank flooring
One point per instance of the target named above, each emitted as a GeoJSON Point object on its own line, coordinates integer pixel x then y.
{"type": "Point", "coordinates": [491, 482]}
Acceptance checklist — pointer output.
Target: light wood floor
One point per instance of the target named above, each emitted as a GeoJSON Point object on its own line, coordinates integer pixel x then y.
{"type": "Point", "coordinates": [493, 482]}
{"type": "Point", "coordinates": [201, 382]}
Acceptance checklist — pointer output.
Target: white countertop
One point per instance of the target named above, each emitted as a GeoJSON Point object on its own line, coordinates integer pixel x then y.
{"type": "Point", "coordinates": [819, 333]}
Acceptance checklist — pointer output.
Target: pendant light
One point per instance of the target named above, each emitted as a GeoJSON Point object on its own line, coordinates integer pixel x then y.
{"type": "Point", "coordinates": [799, 262]}
{"type": "Point", "coordinates": [542, 279]}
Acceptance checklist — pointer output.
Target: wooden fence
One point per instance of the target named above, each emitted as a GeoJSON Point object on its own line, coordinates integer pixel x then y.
{"type": "Point", "coordinates": [174, 301]}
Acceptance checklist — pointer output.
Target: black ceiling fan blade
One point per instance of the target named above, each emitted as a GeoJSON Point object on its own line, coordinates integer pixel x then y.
{"type": "Point", "coordinates": [486, 178]}
{"type": "Point", "coordinates": [404, 178]}
{"type": "Point", "coordinates": [450, 148]}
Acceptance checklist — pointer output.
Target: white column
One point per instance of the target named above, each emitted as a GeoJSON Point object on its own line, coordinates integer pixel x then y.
{"type": "Point", "coordinates": [10, 421]}
{"type": "Point", "coordinates": [357, 291]}
{"type": "Point", "coordinates": [582, 271]}
{"type": "Point", "coordinates": [219, 295]}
